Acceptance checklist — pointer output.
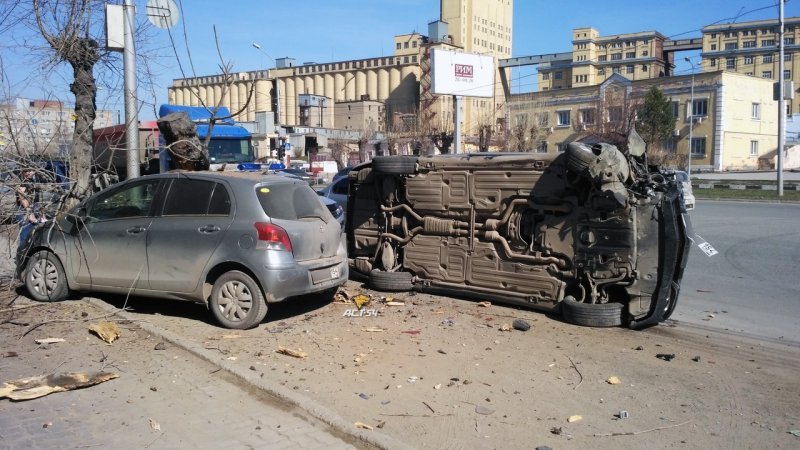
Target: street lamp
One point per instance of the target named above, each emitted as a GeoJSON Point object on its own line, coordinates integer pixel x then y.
{"type": "Point", "coordinates": [258, 47]}
{"type": "Point", "coordinates": [691, 123]}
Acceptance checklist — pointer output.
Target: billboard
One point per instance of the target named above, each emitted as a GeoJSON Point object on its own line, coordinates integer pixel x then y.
{"type": "Point", "coordinates": [457, 73]}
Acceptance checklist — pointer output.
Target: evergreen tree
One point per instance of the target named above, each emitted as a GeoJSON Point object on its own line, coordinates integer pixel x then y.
{"type": "Point", "coordinates": [656, 121]}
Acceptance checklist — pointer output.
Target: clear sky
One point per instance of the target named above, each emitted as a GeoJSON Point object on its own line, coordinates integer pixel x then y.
{"type": "Point", "coordinates": [336, 30]}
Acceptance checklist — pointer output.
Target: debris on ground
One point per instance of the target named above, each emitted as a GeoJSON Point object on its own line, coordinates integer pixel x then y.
{"type": "Point", "coordinates": [363, 426]}
{"type": "Point", "coordinates": [107, 331]}
{"type": "Point", "coordinates": [794, 432]}
{"type": "Point", "coordinates": [290, 352]}
{"type": "Point", "coordinates": [557, 431]}
{"type": "Point", "coordinates": [160, 346]}
{"type": "Point", "coordinates": [613, 380]}
{"type": "Point", "coordinates": [373, 330]}
{"type": "Point", "coordinates": [666, 356]}
{"type": "Point", "coordinates": [361, 300]}
{"type": "Point", "coordinates": [410, 331]}
{"type": "Point", "coordinates": [622, 414]}
{"type": "Point", "coordinates": [575, 418]}
{"type": "Point", "coordinates": [48, 341]}
{"type": "Point", "coordinates": [39, 386]}
{"type": "Point", "coordinates": [483, 410]}
{"type": "Point", "coordinates": [484, 304]}
{"type": "Point", "coordinates": [521, 325]}
{"type": "Point", "coordinates": [449, 322]}
{"type": "Point", "coordinates": [696, 359]}
{"type": "Point", "coordinates": [505, 327]}
{"type": "Point", "coordinates": [155, 425]}
{"type": "Point", "coordinates": [392, 303]}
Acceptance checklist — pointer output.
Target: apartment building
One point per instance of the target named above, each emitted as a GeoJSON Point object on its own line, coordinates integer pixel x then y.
{"type": "Point", "coordinates": [595, 58]}
{"type": "Point", "coordinates": [732, 124]}
{"type": "Point", "coordinates": [41, 127]}
{"type": "Point", "coordinates": [751, 48]}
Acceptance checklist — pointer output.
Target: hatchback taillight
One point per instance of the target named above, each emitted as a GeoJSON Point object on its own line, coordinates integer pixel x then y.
{"type": "Point", "coordinates": [272, 237]}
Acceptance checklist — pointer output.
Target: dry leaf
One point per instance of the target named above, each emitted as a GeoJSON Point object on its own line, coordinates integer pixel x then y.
{"type": "Point", "coordinates": [39, 386]}
{"type": "Point", "coordinates": [363, 425]}
{"type": "Point", "coordinates": [361, 300]}
{"type": "Point", "coordinates": [290, 352]}
{"type": "Point", "coordinates": [613, 380]}
{"type": "Point", "coordinates": [107, 331]}
{"type": "Point", "coordinates": [574, 418]}
{"type": "Point", "coordinates": [48, 341]}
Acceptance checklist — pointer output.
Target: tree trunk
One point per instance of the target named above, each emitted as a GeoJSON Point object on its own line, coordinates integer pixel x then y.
{"type": "Point", "coordinates": [84, 89]}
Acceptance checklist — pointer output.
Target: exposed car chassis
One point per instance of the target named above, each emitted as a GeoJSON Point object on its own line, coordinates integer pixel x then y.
{"type": "Point", "coordinates": [593, 230]}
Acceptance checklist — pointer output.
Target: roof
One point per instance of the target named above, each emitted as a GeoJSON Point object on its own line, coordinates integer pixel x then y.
{"type": "Point", "coordinates": [198, 113]}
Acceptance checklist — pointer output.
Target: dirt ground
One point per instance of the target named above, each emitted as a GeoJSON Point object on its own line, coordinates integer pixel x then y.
{"type": "Point", "coordinates": [440, 372]}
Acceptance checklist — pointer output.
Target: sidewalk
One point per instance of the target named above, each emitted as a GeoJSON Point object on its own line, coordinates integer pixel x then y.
{"type": "Point", "coordinates": [162, 399]}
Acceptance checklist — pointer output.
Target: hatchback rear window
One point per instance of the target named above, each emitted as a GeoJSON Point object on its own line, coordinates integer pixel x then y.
{"type": "Point", "coordinates": [290, 201]}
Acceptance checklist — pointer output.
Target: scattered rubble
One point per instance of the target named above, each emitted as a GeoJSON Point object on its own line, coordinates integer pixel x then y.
{"type": "Point", "coordinates": [290, 352]}
{"type": "Point", "coordinates": [107, 331]}
{"type": "Point", "coordinates": [521, 325]}
{"type": "Point", "coordinates": [39, 386]}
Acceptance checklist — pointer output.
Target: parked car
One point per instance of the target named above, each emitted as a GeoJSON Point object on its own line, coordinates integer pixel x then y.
{"type": "Point", "coordinates": [688, 195]}
{"type": "Point", "coordinates": [336, 210]}
{"type": "Point", "coordinates": [341, 173]}
{"type": "Point", "coordinates": [592, 231]}
{"type": "Point", "coordinates": [235, 241]}
{"type": "Point", "coordinates": [300, 173]}
{"type": "Point", "coordinates": [336, 191]}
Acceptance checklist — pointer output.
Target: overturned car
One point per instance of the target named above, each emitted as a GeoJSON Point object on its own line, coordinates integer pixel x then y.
{"type": "Point", "coordinates": [593, 231]}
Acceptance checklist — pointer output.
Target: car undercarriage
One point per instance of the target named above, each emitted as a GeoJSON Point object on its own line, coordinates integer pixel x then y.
{"type": "Point", "coordinates": [593, 231]}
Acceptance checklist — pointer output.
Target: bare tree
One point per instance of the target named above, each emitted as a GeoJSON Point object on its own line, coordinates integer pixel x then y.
{"type": "Point", "coordinates": [614, 115]}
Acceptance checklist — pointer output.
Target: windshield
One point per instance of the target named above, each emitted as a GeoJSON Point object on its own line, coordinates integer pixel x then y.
{"type": "Point", "coordinates": [230, 151]}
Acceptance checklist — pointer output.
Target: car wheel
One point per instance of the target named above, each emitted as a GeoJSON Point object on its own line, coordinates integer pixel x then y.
{"type": "Point", "coordinates": [45, 278]}
{"type": "Point", "coordinates": [397, 165]}
{"type": "Point", "coordinates": [592, 315]}
{"type": "Point", "coordinates": [390, 281]}
{"type": "Point", "coordinates": [237, 301]}
{"type": "Point", "coordinates": [579, 157]}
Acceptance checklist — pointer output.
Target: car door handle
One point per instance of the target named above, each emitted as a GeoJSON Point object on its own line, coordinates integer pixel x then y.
{"type": "Point", "coordinates": [208, 229]}
{"type": "Point", "coordinates": [136, 230]}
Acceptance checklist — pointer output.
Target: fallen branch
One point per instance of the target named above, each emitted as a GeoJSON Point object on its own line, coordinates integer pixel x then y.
{"type": "Point", "coordinates": [19, 308]}
{"type": "Point", "coordinates": [634, 433]}
{"type": "Point", "coordinates": [86, 319]}
{"type": "Point", "coordinates": [576, 370]}
{"type": "Point", "coordinates": [415, 415]}
{"type": "Point", "coordinates": [429, 407]}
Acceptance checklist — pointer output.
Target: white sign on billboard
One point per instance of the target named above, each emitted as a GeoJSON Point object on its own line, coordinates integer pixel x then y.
{"type": "Point", "coordinates": [457, 73]}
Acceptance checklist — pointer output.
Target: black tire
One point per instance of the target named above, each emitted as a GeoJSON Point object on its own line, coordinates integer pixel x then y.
{"type": "Point", "coordinates": [237, 301]}
{"type": "Point", "coordinates": [396, 165]}
{"type": "Point", "coordinates": [579, 157]}
{"type": "Point", "coordinates": [592, 315]}
{"type": "Point", "coordinates": [390, 281]}
{"type": "Point", "coordinates": [45, 278]}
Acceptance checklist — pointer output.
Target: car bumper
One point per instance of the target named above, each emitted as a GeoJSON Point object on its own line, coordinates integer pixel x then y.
{"type": "Point", "coordinates": [304, 278]}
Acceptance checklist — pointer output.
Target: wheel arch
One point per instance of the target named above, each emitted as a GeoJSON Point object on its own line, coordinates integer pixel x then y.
{"type": "Point", "coordinates": [224, 267]}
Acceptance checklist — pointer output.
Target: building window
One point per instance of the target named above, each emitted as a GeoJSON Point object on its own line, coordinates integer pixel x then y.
{"type": "Point", "coordinates": [601, 71]}
{"type": "Point", "coordinates": [562, 146]}
{"type": "Point", "coordinates": [748, 60]}
{"type": "Point", "coordinates": [616, 56]}
{"type": "Point", "coordinates": [713, 47]}
{"type": "Point", "coordinates": [645, 53]}
{"type": "Point", "coordinates": [615, 69]}
{"type": "Point", "coordinates": [730, 63]}
{"type": "Point", "coordinates": [713, 62]}
{"type": "Point", "coordinates": [787, 57]}
{"type": "Point", "coordinates": [766, 74]}
{"type": "Point", "coordinates": [602, 58]}
{"type": "Point", "coordinates": [541, 147]}
{"type": "Point", "coordinates": [768, 42]}
{"type": "Point", "coordinates": [755, 110]}
{"type": "Point", "coordinates": [630, 55]}
{"type": "Point", "coordinates": [405, 60]}
{"type": "Point", "coordinates": [399, 46]}
{"type": "Point", "coordinates": [788, 41]}
{"type": "Point", "coordinates": [587, 116]}
{"type": "Point", "coordinates": [563, 118]}
{"type": "Point", "coordinates": [628, 69]}
{"type": "Point", "coordinates": [753, 148]}
{"type": "Point", "coordinates": [544, 120]}
{"type": "Point", "coordinates": [700, 107]}
{"type": "Point", "coordinates": [749, 44]}
{"type": "Point", "coordinates": [699, 146]}
{"type": "Point", "coordinates": [766, 59]}
{"type": "Point", "coordinates": [731, 46]}
{"type": "Point", "coordinates": [615, 114]}
{"type": "Point", "coordinates": [414, 44]}
{"type": "Point", "coordinates": [787, 74]}
{"type": "Point", "coordinates": [414, 58]}
{"type": "Point", "coordinates": [559, 75]}
{"type": "Point", "coordinates": [675, 108]}
{"type": "Point", "coordinates": [405, 44]}
{"type": "Point", "coordinates": [546, 76]}
{"type": "Point", "coordinates": [644, 67]}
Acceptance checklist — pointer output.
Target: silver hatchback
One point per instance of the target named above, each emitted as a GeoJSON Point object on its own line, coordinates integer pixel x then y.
{"type": "Point", "coordinates": [234, 241]}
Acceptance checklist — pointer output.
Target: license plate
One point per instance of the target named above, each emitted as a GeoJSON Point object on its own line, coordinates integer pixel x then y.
{"type": "Point", "coordinates": [708, 249]}
{"type": "Point", "coordinates": [335, 272]}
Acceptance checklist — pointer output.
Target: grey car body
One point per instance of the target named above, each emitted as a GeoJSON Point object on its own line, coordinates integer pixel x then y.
{"type": "Point", "coordinates": [235, 241]}
{"type": "Point", "coordinates": [593, 231]}
{"type": "Point", "coordinates": [337, 191]}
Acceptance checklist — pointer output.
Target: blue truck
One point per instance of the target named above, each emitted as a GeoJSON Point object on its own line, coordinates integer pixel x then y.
{"type": "Point", "coordinates": [230, 145]}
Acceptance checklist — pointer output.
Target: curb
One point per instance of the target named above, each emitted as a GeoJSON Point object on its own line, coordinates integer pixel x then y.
{"type": "Point", "coordinates": [312, 408]}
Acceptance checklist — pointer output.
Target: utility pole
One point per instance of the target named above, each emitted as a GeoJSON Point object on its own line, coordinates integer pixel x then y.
{"type": "Point", "coordinates": [690, 110]}
{"type": "Point", "coordinates": [781, 102]}
{"type": "Point", "coordinates": [131, 110]}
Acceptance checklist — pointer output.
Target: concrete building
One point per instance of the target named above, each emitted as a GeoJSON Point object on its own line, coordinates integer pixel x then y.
{"type": "Point", "coordinates": [751, 48]}
{"type": "Point", "coordinates": [397, 81]}
{"type": "Point", "coordinates": [733, 124]}
{"type": "Point", "coordinates": [364, 115]}
{"type": "Point", "coordinates": [41, 127]}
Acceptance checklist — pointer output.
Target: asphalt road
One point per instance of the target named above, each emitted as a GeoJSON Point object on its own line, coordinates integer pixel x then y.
{"type": "Point", "coordinates": [751, 286]}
